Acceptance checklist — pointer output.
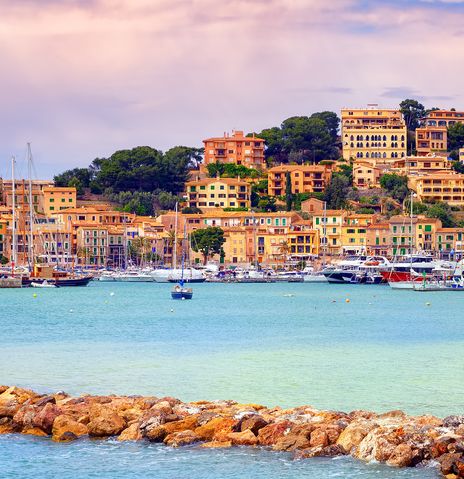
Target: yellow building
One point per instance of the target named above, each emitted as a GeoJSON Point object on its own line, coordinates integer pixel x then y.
{"type": "Point", "coordinates": [440, 186]}
{"type": "Point", "coordinates": [366, 174]}
{"type": "Point", "coordinates": [235, 245]}
{"type": "Point", "coordinates": [3, 236]}
{"type": "Point", "coordinates": [450, 241]}
{"type": "Point", "coordinates": [430, 163]}
{"type": "Point", "coordinates": [92, 244]}
{"type": "Point", "coordinates": [218, 193]}
{"type": "Point", "coordinates": [354, 232]}
{"type": "Point", "coordinates": [57, 198]}
{"type": "Point", "coordinates": [304, 178]}
{"type": "Point", "coordinates": [329, 226]}
{"type": "Point", "coordinates": [432, 135]}
{"type": "Point", "coordinates": [373, 133]}
{"type": "Point", "coordinates": [461, 155]}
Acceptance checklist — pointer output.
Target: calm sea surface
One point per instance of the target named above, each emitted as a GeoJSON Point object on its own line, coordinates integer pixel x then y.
{"type": "Point", "coordinates": [286, 344]}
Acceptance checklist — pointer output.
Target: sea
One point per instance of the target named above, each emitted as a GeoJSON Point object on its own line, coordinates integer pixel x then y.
{"type": "Point", "coordinates": [337, 347]}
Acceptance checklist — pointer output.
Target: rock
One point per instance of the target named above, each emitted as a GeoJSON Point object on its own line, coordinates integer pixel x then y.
{"type": "Point", "coordinates": [447, 462]}
{"type": "Point", "coordinates": [453, 421]}
{"type": "Point", "coordinates": [458, 467]}
{"type": "Point", "coordinates": [7, 426]}
{"type": "Point", "coordinates": [333, 450]}
{"type": "Point", "coordinates": [297, 438]}
{"type": "Point", "coordinates": [34, 431]}
{"type": "Point", "coordinates": [132, 433]}
{"type": "Point", "coordinates": [318, 438]}
{"type": "Point", "coordinates": [45, 400]}
{"type": "Point", "coordinates": [269, 435]}
{"type": "Point", "coordinates": [11, 400]}
{"type": "Point", "coordinates": [401, 456]}
{"type": "Point", "coordinates": [243, 438]}
{"type": "Point", "coordinates": [216, 444]}
{"type": "Point", "coordinates": [64, 425]}
{"type": "Point", "coordinates": [353, 434]}
{"type": "Point", "coordinates": [162, 407]}
{"type": "Point", "coordinates": [217, 428]}
{"type": "Point", "coordinates": [440, 446]}
{"type": "Point", "coordinates": [254, 423]}
{"type": "Point", "coordinates": [378, 445]}
{"type": "Point", "coordinates": [105, 422]}
{"type": "Point", "coordinates": [155, 434]}
{"type": "Point", "coordinates": [181, 438]}
{"type": "Point", "coordinates": [46, 416]}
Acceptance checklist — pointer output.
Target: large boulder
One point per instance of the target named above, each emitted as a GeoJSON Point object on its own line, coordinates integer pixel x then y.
{"type": "Point", "coordinates": [254, 423]}
{"type": "Point", "coordinates": [217, 428]}
{"type": "Point", "coordinates": [131, 433]}
{"type": "Point", "coordinates": [243, 438]}
{"type": "Point", "coordinates": [297, 438]}
{"type": "Point", "coordinates": [270, 434]}
{"type": "Point", "coordinates": [353, 434]}
{"type": "Point", "coordinates": [7, 426]}
{"type": "Point", "coordinates": [46, 416]}
{"type": "Point", "coordinates": [104, 421]}
{"type": "Point", "coordinates": [181, 438]}
{"type": "Point", "coordinates": [12, 399]}
{"type": "Point", "coordinates": [66, 428]}
{"type": "Point", "coordinates": [401, 456]}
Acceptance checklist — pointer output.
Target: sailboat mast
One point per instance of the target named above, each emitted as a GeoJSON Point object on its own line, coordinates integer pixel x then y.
{"type": "Point", "coordinates": [13, 190]}
{"type": "Point", "coordinates": [31, 209]}
{"type": "Point", "coordinates": [174, 260]}
{"type": "Point", "coordinates": [324, 233]}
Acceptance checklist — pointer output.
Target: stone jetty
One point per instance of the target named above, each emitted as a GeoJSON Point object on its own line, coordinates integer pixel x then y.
{"type": "Point", "coordinates": [393, 438]}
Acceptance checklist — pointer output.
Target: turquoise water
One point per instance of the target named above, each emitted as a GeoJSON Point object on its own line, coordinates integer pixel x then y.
{"type": "Point", "coordinates": [286, 344]}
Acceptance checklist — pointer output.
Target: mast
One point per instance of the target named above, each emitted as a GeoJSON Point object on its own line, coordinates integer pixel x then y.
{"type": "Point", "coordinates": [411, 238]}
{"type": "Point", "coordinates": [324, 232]}
{"type": "Point", "coordinates": [31, 207]}
{"type": "Point", "coordinates": [13, 190]}
{"type": "Point", "coordinates": [174, 257]}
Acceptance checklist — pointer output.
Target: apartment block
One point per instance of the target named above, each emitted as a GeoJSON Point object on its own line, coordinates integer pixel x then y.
{"type": "Point", "coordinates": [56, 198]}
{"type": "Point", "coordinates": [373, 133]}
{"type": "Point", "coordinates": [432, 135]}
{"type": "Point", "coordinates": [446, 186]}
{"type": "Point", "coordinates": [218, 193]}
{"type": "Point", "coordinates": [304, 178]}
{"type": "Point", "coordinates": [236, 149]}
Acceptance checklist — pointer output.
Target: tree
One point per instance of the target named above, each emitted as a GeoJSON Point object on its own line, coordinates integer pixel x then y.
{"type": "Point", "coordinates": [412, 112]}
{"type": "Point", "coordinates": [443, 212]}
{"type": "Point", "coordinates": [191, 210]}
{"type": "Point", "coordinates": [74, 182]}
{"type": "Point", "coordinates": [81, 175]}
{"type": "Point", "coordinates": [396, 185]}
{"type": "Point", "coordinates": [336, 192]}
{"type": "Point", "coordinates": [208, 241]}
{"type": "Point", "coordinates": [4, 260]}
{"type": "Point", "coordinates": [458, 166]}
{"type": "Point", "coordinates": [288, 191]}
{"type": "Point", "coordinates": [456, 136]}
{"type": "Point", "coordinates": [267, 204]}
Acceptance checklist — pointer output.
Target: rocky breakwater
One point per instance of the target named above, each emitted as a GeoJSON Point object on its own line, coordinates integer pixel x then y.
{"type": "Point", "coordinates": [393, 438]}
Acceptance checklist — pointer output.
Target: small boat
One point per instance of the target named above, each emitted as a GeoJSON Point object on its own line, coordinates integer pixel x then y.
{"type": "Point", "coordinates": [43, 284]}
{"type": "Point", "coordinates": [180, 292]}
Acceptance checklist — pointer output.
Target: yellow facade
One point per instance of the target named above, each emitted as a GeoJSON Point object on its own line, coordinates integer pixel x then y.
{"type": "Point", "coordinates": [366, 174]}
{"type": "Point", "coordinates": [218, 193]}
{"type": "Point", "coordinates": [329, 227]}
{"type": "Point", "coordinates": [373, 133]}
{"type": "Point", "coordinates": [354, 232]}
{"type": "Point", "coordinates": [235, 245]}
{"type": "Point", "coordinates": [447, 187]}
{"type": "Point", "coordinates": [57, 198]}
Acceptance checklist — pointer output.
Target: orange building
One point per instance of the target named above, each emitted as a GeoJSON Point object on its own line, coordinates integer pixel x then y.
{"type": "Point", "coordinates": [56, 198]}
{"type": "Point", "coordinates": [432, 136]}
{"type": "Point", "coordinates": [236, 149]}
{"type": "Point", "coordinates": [304, 178]}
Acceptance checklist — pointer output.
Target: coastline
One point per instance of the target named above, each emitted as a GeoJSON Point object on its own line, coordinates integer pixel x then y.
{"type": "Point", "coordinates": [393, 438]}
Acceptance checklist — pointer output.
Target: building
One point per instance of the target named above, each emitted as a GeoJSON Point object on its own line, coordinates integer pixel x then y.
{"type": "Point", "coordinates": [218, 193]}
{"type": "Point", "coordinates": [432, 135]}
{"type": "Point", "coordinates": [450, 242]}
{"type": "Point", "coordinates": [366, 174]}
{"type": "Point", "coordinates": [419, 165]}
{"type": "Point", "coordinates": [313, 206]}
{"type": "Point", "coordinates": [354, 232]}
{"type": "Point", "coordinates": [440, 186]}
{"type": "Point", "coordinates": [373, 133]}
{"type": "Point", "coordinates": [461, 155]}
{"type": "Point", "coordinates": [22, 192]}
{"type": "Point", "coordinates": [304, 178]}
{"type": "Point", "coordinates": [329, 226]}
{"type": "Point", "coordinates": [378, 241]}
{"type": "Point", "coordinates": [54, 198]}
{"type": "Point", "coordinates": [236, 149]}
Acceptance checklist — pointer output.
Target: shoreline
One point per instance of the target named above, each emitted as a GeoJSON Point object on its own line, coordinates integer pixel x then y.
{"type": "Point", "coordinates": [393, 438]}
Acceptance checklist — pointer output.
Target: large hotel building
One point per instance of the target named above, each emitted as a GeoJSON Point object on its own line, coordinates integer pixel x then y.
{"type": "Point", "coordinates": [373, 133]}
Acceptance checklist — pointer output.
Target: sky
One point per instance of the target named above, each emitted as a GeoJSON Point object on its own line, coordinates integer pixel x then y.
{"type": "Point", "coordinates": [80, 79]}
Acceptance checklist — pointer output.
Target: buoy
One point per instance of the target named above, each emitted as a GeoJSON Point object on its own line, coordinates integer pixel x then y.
{"type": "Point", "coordinates": [111, 294]}
{"type": "Point", "coordinates": [172, 310]}
{"type": "Point", "coordinates": [334, 300]}
{"type": "Point", "coordinates": [427, 304]}
{"type": "Point", "coordinates": [34, 295]}
{"type": "Point", "coordinates": [347, 300]}
{"type": "Point", "coordinates": [71, 310]}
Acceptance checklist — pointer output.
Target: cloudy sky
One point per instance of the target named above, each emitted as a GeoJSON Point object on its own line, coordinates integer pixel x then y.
{"type": "Point", "coordinates": [83, 78]}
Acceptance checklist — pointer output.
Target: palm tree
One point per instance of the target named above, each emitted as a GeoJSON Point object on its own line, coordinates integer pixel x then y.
{"type": "Point", "coordinates": [283, 249]}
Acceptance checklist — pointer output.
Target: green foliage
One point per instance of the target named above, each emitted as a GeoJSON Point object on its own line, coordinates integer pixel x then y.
{"type": "Point", "coordinates": [143, 203]}
{"type": "Point", "coordinates": [456, 136]}
{"type": "Point", "coordinates": [396, 185]}
{"type": "Point", "coordinates": [83, 175]}
{"type": "Point", "coordinates": [336, 192]}
{"type": "Point", "coordinates": [345, 170]}
{"type": "Point", "coordinates": [261, 186]}
{"type": "Point", "coordinates": [288, 192]}
{"type": "Point", "coordinates": [365, 211]}
{"type": "Point", "coordinates": [207, 241]}
{"type": "Point", "coordinates": [4, 260]}
{"type": "Point", "coordinates": [443, 212]}
{"type": "Point", "coordinates": [458, 166]}
{"type": "Point", "coordinates": [191, 210]}
{"type": "Point", "coordinates": [412, 112]}
{"type": "Point", "coordinates": [302, 139]}
{"type": "Point", "coordinates": [267, 204]}
{"type": "Point", "coordinates": [298, 198]}
{"type": "Point", "coordinates": [239, 208]}
{"type": "Point", "coordinates": [231, 170]}
{"type": "Point", "coordinates": [76, 183]}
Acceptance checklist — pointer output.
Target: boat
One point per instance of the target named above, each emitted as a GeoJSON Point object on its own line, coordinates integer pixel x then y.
{"type": "Point", "coordinates": [43, 284]}
{"type": "Point", "coordinates": [179, 291]}
{"type": "Point", "coordinates": [356, 269]}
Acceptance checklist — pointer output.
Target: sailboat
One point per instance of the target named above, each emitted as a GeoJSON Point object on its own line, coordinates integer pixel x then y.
{"type": "Point", "coordinates": [179, 291]}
